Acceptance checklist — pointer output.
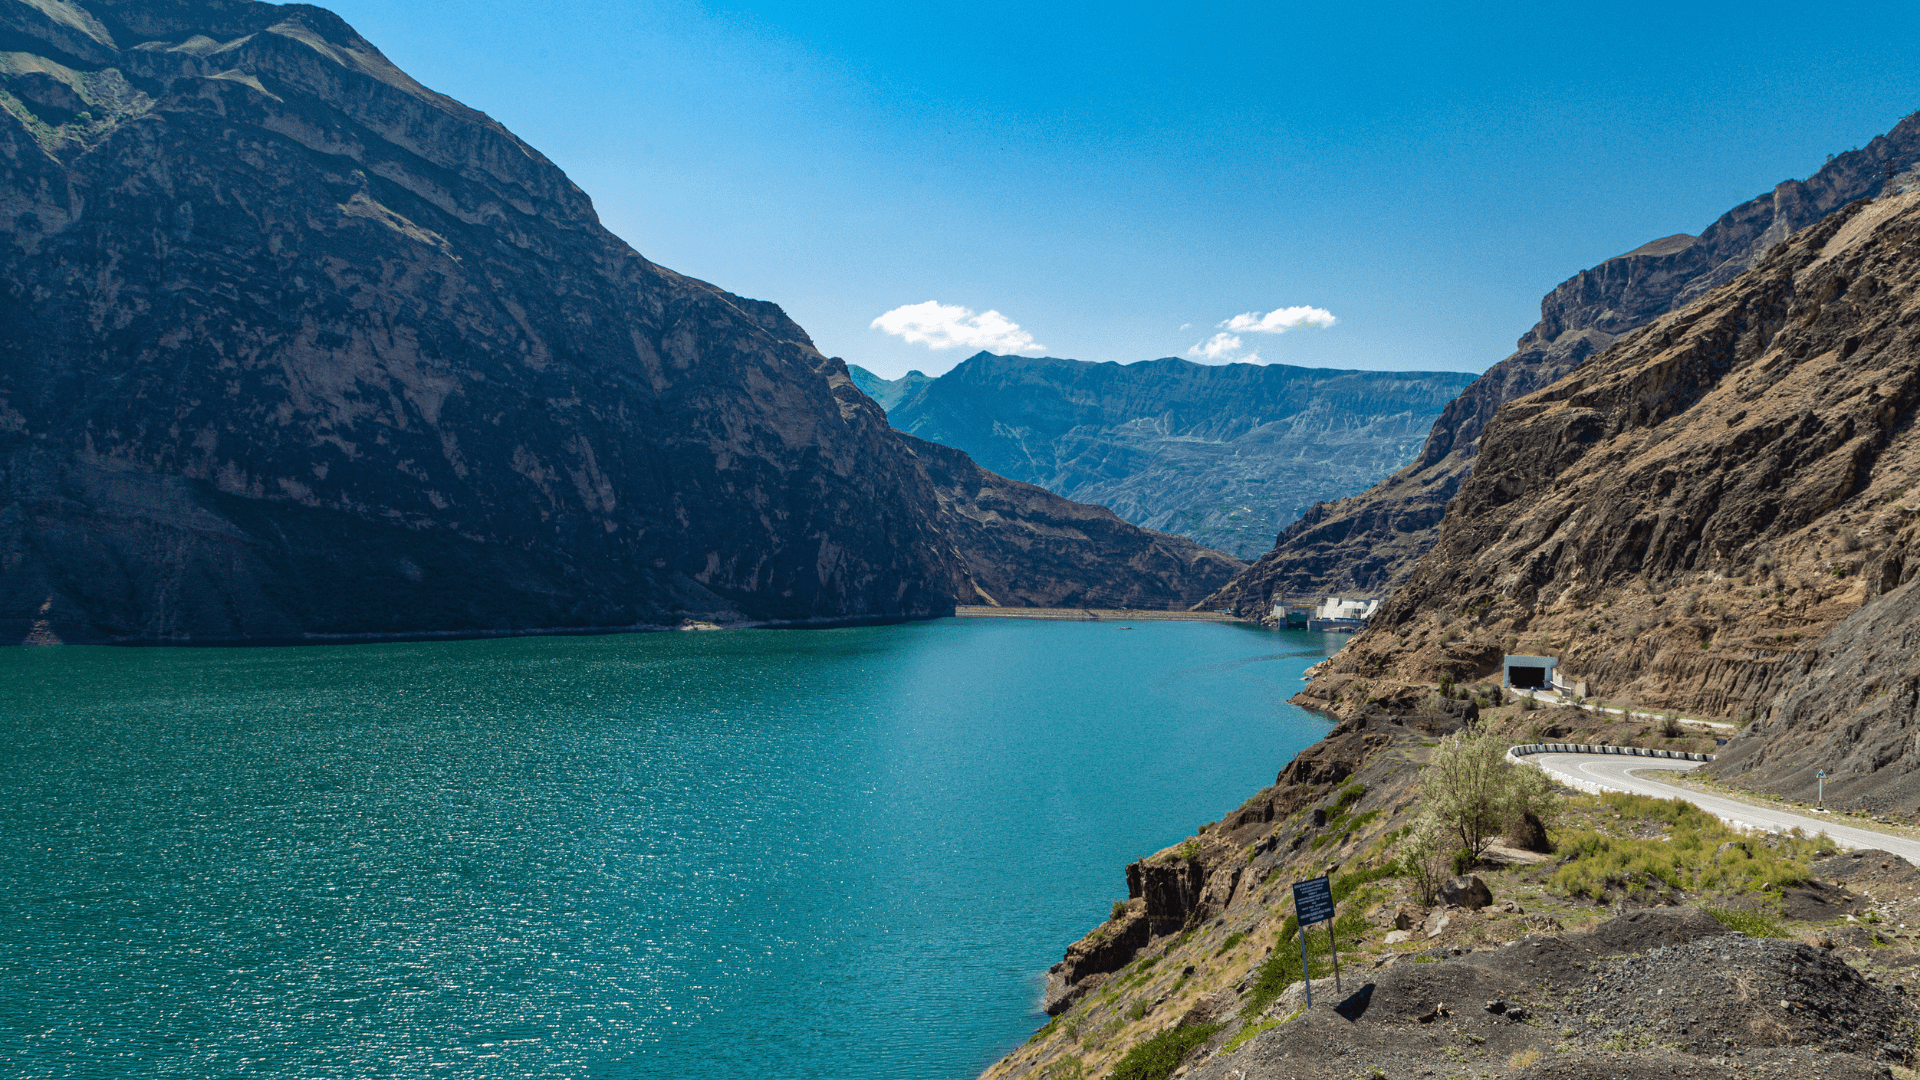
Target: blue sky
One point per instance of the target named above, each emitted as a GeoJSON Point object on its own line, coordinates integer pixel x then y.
{"type": "Point", "coordinates": [1116, 182]}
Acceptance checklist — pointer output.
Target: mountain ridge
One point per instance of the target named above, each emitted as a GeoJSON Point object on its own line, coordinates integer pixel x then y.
{"type": "Point", "coordinates": [1219, 453]}
{"type": "Point", "coordinates": [295, 346]}
{"type": "Point", "coordinates": [1687, 518]}
{"type": "Point", "coordinates": [1369, 543]}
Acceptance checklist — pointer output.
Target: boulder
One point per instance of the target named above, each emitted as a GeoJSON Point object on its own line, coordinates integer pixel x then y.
{"type": "Point", "coordinates": [1468, 892]}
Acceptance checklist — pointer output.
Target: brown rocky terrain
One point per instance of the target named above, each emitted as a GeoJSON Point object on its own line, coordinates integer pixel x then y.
{"type": "Point", "coordinates": [1854, 713]}
{"type": "Point", "coordinates": [1684, 518]}
{"type": "Point", "coordinates": [1533, 977]}
{"type": "Point", "coordinates": [292, 345]}
{"type": "Point", "coordinates": [1369, 543]}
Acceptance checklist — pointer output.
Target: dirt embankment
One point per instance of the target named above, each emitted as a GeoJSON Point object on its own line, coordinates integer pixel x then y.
{"type": "Point", "coordinates": [1598, 959]}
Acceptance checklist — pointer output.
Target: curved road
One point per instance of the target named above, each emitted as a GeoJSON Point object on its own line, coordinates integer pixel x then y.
{"type": "Point", "coordinates": [1613, 772]}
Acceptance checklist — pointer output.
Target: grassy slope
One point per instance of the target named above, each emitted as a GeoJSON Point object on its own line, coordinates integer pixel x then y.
{"type": "Point", "coordinates": [1215, 985]}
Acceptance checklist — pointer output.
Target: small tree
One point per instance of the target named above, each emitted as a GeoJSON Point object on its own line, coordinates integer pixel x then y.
{"type": "Point", "coordinates": [1425, 856]}
{"type": "Point", "coordinates": [1473, 791]}
{"type": "Point", "coordinates": [1463, 786]}
{"type": "Point", "coordinates": [1532, 807]}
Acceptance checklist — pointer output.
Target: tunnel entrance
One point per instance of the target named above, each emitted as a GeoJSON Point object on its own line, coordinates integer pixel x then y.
{"type": "Point", "coordinates": [1527, 678]}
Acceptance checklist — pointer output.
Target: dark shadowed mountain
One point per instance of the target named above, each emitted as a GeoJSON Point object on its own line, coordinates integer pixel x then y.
{"type": "Point", "coordinates": [1224, 454]}
{"type": "Point", "coordinates": [292, 345]}
{"type": "Point", "coordinates": [1368, 543]}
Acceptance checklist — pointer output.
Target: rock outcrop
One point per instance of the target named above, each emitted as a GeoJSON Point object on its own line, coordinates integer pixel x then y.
{"type": "Point", "coordinates": [292, 345]}
{"type": "Point", "coordinates": [1854, 714]}
{"type": "Point", "coordinates": [1019, 545]}
{"type": "Point", "coordinates": [1369, 543]}
{"type": "Point", "coordinates": [1683, 519]}
{"type": "Point", "coordinates": [1223, 454]}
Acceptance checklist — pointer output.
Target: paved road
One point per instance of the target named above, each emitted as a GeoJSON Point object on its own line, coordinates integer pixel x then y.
{"type": "Point", "coordinates": [1614, 773]}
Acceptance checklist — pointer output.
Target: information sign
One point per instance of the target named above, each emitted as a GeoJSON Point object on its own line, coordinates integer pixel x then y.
{"type": "Point", "coordinates": [1313, 900]}
{"type": "Point", "coordinates": [1312, 903]}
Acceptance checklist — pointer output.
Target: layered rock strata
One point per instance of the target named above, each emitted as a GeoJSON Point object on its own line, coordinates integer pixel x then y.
{"type": "Point", "coordinates": [1684, 518]}
{"type": "Point", "coordinates": [292, 345]}
{"type": "Point", "coordinates": [1369, 543]}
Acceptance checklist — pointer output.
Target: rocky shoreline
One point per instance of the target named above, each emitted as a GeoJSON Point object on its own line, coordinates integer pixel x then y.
{"type": "Point", "coordinates": [1515, 971]}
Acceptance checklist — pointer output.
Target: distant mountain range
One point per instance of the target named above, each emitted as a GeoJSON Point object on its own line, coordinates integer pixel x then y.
{"type": "Point", "coordinates": [1224, 454]}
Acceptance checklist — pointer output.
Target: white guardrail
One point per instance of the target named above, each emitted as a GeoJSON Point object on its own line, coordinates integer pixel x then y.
{"type": "Point", "coordinates": [1515, 753]}
{"type": "Point", "coordinates": [1602, 748]}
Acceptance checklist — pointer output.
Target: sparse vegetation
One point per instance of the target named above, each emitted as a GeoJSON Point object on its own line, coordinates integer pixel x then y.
{"type": "Point", "coordinates": [1282, 968]}
{"type": "Point", "coordinates": [1695, 851]}
{"type": "Point", "coordinates": [1748, 921]}
{"type": "Point", "coordinates": [1156, 1058]}
{"type": "Point", "coordinates": [1472, 790]}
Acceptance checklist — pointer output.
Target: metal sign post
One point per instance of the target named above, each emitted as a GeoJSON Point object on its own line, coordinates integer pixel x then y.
{"type": "Point", "coordinates": [1312, 903]}
{"type": "Point", "coordinates": [1823, 789]}
{"type": "Point", "coordinates": [1305, 971]}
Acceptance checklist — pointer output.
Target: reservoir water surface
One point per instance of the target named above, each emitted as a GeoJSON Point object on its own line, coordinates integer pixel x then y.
{"type": "Point", "coordinates": [840, 854]}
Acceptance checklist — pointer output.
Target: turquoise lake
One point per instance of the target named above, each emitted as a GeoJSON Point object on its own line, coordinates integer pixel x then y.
{"type": "Point", "coordinates": [844, 854]}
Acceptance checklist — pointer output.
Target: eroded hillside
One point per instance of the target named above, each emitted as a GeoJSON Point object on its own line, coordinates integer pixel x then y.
{"type": "Point", "coordinates": [1685, 517]}
{"type": "Point", "coordinates": [1370, 542]}
{"type": "Point", "coordinates": [1610, 954]}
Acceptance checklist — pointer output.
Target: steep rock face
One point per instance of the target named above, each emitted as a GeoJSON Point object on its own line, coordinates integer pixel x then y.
{"type": "Point", "coordinates": [1685, 516]}
{"type": "Point", "coordinates": [1369, 543]}
{"type": "Point", "coordinates": [1854, 714]}
{"type": "Point", "coordinates": [290, 344]}
{"type": "Point", "coordinates": [1018, 545]}
{"type": "Point", "coordinates": [1219, 453]}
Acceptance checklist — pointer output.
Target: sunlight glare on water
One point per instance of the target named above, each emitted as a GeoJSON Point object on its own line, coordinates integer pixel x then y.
{"type": "Point", "coordinates": [840, 854]}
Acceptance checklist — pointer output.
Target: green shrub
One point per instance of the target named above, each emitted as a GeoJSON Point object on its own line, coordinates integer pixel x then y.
{"type": "Point", "coordinates": [1156, 1058]}
{"type": "Point", "coordinates": [1750, 923]}
{"type": "Point", "coordinates": [1233, 939]}
{"type": "Point", "coordinates": [1281, 968]}
{"type": "Point", "coordinates": [1119, 909]}
{"type": "Point", "coordinates": [1688, 857]}
{"type": "Point", "coordinates": [1345, 884]}
{"type": "Point", "coordinates": [1067, 1068]}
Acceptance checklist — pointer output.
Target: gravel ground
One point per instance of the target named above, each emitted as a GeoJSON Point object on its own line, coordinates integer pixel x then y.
{"type": "Point", "coordinates": [1655, 994]}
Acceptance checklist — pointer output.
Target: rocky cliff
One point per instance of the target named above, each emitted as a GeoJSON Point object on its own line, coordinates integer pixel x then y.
{"type": "Point", "coordinates": [1369, 543]}
{"type": "Point", "coordinates": [292, 345]}
{"type": "Point", "coordinates": [1220, 453]}
{"type": "Point", "coordinates": [1019, 545]}
{"type": "Point", "coordinates": [1684, 518]}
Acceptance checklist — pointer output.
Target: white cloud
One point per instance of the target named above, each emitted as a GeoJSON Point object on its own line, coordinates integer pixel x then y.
{"type": "Point", "coordinates": [1280, 320]}
{"type": "Point", "coordinates": [950, 326]}
{"type": "Point", "coordinates": [1185, 325]}
{"type": "Point", "coordinates": [1224, 347]}
{"type": "Point", "coordinates": [1221, 348]}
